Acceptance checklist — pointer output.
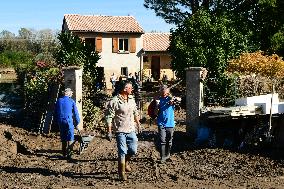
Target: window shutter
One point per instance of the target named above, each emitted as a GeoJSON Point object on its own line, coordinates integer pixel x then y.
{"type": "Point", "coordinates": [132, 45]}
{"type": "Point", "coordinates": [99, 44]}
{"type": "Point", "coordinates": [114, 45]}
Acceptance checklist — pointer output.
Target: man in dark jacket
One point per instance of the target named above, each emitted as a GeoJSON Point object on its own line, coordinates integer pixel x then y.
{"type": "Point", "coordinates": [65, 110]}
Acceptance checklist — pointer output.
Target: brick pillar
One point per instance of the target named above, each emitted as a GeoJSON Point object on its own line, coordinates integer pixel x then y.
{"type": "Point", "coordinates": [73, 80]}
{"type": "Point", "coordinates": [194, 97]}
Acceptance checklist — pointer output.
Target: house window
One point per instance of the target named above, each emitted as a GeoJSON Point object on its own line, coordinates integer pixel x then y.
{"type": "Point", "coordinates": [124, 71]}
{"type": "Point", "coordinates": [123, 45]}
{"type": "Point", "coordinates": [90, 41]}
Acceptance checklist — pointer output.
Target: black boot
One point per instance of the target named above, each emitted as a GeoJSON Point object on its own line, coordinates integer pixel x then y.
{"type": "Point", "coordinates": [168, 151]}
{"type": "Point", "coordinates": [163, 153]}
{"type": "Point", "coordinates": [64, 148]}
{"type": "Point", "coordinates": [70, 149]}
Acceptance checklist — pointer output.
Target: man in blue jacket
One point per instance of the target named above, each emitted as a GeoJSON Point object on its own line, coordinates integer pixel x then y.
{"type": "Point", "coordinates": [65, 110]}
{"type": "Point", "coordinates": [165, 122]}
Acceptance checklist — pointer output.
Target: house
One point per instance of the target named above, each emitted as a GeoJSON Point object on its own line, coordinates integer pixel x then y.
{"type": "Point", "coordinates": [120, 41]}
{"type": "Point", "coordinates": [156, 59]}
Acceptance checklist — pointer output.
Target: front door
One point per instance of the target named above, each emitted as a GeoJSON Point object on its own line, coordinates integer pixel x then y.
{"type": "Point", "coordinates": [155, 67]}
{"type": "Point", "coordinates": [101, 80]}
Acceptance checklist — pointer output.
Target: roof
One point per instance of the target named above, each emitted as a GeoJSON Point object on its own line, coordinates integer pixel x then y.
{"type": "Point", "coordinates": [156, 41]}
{"type": "Point", "coordinates": [98, 23]}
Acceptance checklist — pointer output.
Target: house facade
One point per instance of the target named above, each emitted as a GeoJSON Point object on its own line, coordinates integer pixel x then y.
{"type": "Point", "coordinates": [120, 42]}
{"type": "Point", "coordinates": [156, 59]}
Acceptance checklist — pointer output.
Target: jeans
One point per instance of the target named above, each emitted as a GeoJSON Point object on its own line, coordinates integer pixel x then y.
{"type": "Point", "coordinates": [126, 144]}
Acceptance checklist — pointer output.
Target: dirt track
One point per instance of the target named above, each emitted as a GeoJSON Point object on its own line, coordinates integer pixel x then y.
{"type": "Point", "coordinates": [32, 161]}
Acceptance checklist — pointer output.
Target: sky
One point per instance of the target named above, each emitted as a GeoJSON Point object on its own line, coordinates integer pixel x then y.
{"type": "Point", "coordinates": [48, 14]}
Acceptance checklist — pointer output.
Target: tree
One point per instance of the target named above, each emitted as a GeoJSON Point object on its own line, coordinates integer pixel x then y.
{"type": "Point", "coordinates": [277, 42]}
{"type": "Point", "coordinates": [73, 52]}
{"type": "Point", "coordinates": [176, 11]}
{"type": "Point", "coordinates": [206, 41]}
{"type": "Point", "coordinates": [5, 34]}
{"type": "Point", "coordinates": [25, 33]}
{"type": "Point", "coordinates": [259, 19]}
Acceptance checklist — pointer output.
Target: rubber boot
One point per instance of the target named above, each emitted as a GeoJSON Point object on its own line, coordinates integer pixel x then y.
{"type": "Point", "coordinates": [163, 153]}
{"type": "Point", "coordinates": [121, 170]}
{"type": "Point", "coordinates": [127, 167]}
{"type": "Point", "coordinates": [168, 151]}
{"type": "Point", "coordinates": [70, 149]}
{"type": "Point", "coordinates": [64, 148]}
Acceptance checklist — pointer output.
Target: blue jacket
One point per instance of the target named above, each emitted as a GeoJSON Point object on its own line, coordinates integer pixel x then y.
{"type": "Point", "coordinates": [65, 110]}
{"type": "Point", "coordinates": [166, 116]}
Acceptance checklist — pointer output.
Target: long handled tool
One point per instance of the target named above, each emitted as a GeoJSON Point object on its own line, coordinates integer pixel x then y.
{"type": "Point", "coordinates": [269, 136]}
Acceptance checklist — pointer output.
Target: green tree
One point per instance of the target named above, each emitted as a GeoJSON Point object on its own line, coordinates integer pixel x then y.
{"type": "Point", "coordinates": [206, 41]}
{"type": "Point", "coordinates": [5, 34]}
{"type": "Point", "coordinates": [259, 19]}
{"type": "Point", "coordinates": [176, 11]}
{"type": "Point", "coordinates": [277, 42]}
{"type": "Point", "coordinates": [25, 33]}
{"type": "Point", "coordinates": [17, 60]}
{"type": "Point", "coordinates": [73, 52]}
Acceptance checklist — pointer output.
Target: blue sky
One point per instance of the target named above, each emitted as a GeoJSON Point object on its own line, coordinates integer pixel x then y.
{"type": "Point", "coordinates": [39, 14]}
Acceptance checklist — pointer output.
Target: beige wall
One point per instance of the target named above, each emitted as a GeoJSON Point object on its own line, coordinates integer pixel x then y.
{"type": "Point", "coordinates": [112, 62]}
{"type": "Point", "coordinates": [165, 65]}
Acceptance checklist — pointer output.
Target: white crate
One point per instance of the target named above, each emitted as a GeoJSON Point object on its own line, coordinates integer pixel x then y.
{"type": "Point", "coordinates": [266, 108]}
{"type": "Point", "coordinates": [252, 101]}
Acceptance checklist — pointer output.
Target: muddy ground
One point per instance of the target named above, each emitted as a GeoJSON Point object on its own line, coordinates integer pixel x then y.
{"type": "Point", "coordinates": [29, 160]}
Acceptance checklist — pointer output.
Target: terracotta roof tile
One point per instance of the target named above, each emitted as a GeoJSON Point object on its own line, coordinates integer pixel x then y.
{"type": "Point", "coordinates": [98, 23]}
{"type": "Point", "coordinates": [156, 41]}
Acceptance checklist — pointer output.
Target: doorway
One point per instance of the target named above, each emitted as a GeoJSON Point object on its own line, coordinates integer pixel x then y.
{"type": "Point", "coordinates": [155, 67]}
{"type": "Point", "coordinates": [101, 80]}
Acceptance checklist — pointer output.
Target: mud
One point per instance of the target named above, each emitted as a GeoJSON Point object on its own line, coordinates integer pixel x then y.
{"type": "Point", "coordinates": [29, 160]}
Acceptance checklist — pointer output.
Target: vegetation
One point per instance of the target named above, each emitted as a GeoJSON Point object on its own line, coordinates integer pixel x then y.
{"type": "Point", "coordinates": [207, 41]}
{"type": "Point", "coordinates": [256, 73]}
{"type": "Point", "coordinates": [38, 57]}
{"type": "Point", "coordinates": [72, 52]}
{"type": "Point", "coordinates": [210, 33]}
{"type": "Point", "coordinates": [259, 19]}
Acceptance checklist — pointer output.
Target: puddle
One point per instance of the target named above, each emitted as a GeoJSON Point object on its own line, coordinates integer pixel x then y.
{"type": "Point", "coordinates": [10, 101]}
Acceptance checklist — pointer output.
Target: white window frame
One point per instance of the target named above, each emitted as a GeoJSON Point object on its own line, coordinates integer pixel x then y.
{"type": "Point", "coordinates": [123, 45]}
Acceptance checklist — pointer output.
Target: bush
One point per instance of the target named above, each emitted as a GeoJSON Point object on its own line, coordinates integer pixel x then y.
{"type": "Point", "coordinates": [257, 73]}
{"type": "Point", "coordinates": [93, 116]}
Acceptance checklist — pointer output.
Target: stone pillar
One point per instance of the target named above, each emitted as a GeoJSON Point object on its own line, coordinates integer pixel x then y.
{"type": "Point", "coordinates": [73, 80]}
{"type": "Point", "coordinates": [194, 97]}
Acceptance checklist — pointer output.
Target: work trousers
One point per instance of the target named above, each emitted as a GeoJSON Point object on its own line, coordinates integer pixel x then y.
{"type": "Point", "coordinates": [166, 135]}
